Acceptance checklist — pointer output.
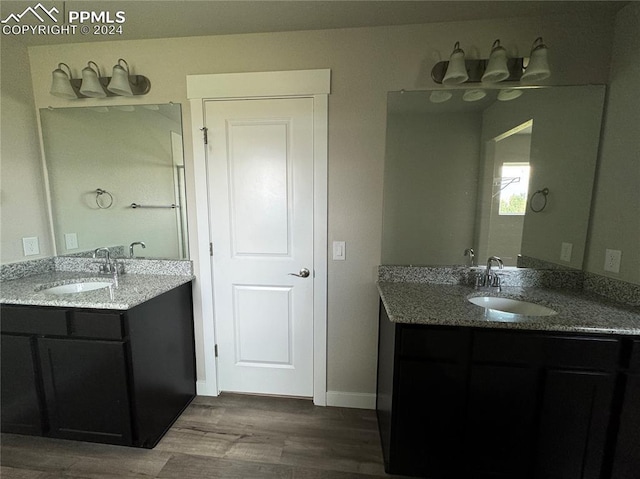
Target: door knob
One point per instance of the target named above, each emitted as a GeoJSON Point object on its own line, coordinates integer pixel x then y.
{"type": "Point", "coordinates": [304, 273]}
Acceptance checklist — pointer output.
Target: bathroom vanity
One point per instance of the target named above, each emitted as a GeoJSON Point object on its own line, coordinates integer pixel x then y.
{"type": "Point", "coordinates": [463, 395]}
{"type": "Point", "coordinates": [95, 366]}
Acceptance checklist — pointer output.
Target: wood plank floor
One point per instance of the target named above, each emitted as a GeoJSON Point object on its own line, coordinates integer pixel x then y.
{"type": "Point", "coordinates": [231, 436]}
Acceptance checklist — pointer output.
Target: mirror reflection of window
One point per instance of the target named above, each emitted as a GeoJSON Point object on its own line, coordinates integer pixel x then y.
{"type": "Point", "coordinates": [514, 188]}
{"type": "Point", "coordinates": [511, 166]}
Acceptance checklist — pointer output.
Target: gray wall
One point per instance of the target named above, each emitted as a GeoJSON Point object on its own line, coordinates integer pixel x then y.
{"type": "Point", "coordinates": [23, 209]}
{"type": "Point", "coordinates": [615, 222]}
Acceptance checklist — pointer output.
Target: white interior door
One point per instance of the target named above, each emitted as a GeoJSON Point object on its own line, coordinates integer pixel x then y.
{"type": "Point", "coordinates": [260, 170]}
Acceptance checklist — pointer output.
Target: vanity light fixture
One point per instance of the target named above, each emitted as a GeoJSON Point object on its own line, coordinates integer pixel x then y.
{"type": "Point", "coordinates": [456, 72]}
{"type": "Point", "coordinates": [498, 68]}
{"type": "Point", "coordinates": [538, 67]}
{"type": "Point", "coordinates": [93, 85]}
{"type": "Point", "coordinates": [61, 83]}
{"type": "Point", "coordinates": [119, 83]}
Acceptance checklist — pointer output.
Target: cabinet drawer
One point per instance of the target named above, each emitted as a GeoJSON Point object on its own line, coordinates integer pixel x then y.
{"type": "Point", "coordinates": [423, 342]}
{"type": "Point", "coordinates": [89, 324]}
{"type": "Point", "coordinates": [558, 351]}
{"type": "Point", "coordinates": [28, 320]}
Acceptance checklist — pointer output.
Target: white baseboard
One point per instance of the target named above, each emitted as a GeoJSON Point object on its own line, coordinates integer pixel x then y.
{"type": "Point", "coordinates": [334, 398]}
{"type": "Point", "coordinates": [204, 389]}
{"type": "Point", "coordinates": [352, 400]}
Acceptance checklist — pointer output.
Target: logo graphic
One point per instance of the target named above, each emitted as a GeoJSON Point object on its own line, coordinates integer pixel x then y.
{"type": "Point", "coordinates": [35, 12]}
{"type": "Point", "coordinates": [39, 20]}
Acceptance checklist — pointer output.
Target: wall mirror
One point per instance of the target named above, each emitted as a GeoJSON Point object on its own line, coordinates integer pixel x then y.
{"type": "Point", "coordinates": [506, 172]}
{"type": "Point", "coordinates": [115, 176]}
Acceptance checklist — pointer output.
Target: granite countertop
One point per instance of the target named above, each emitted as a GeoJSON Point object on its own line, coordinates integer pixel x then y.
{"type": "Point", "coordinates": [447, 305]}
{"type": "Point", "coordinates": [132, 289]}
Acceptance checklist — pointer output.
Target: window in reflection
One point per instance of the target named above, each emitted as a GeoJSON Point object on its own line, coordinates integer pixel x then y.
{"type": "Point", "coordinates": [514, 189]}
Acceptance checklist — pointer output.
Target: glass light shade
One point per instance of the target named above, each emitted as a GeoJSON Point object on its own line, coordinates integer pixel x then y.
{"type": "Point", "coordinates": [119, 83]}
{"type": "Point", "coordinates": [440, 96]}
{"type": "Point", "coordinates": [497, 69]}
{"type": "Point", "coordinates": [509, 94]}
{"type": "Point", "coordinates": [61, 85]}
{"type": "Point", "coordinates": [538, 68]}
{"type": "Point", "coordinates": [474, 95]}
{"type": "Point", "coordinates": [457, 69]}
{"type": "Point", "coordinates": [91, 85]}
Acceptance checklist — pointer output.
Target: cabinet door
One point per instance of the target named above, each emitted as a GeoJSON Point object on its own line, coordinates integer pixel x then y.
{"type": "Point", "coordinates": [86, 391]}
{"type": "Point", "coordinates": [501, 421]}
{"type": "Point", "coordinates": [429, 401]}
{"type": "Point", "coordinates": [627, 457]}
{"type": "Point", "coordinates": [429, 419]}
{"type": "Point", "coordinates": [573, 424]}
{"type": "Point", "coordinates": [21, 411]}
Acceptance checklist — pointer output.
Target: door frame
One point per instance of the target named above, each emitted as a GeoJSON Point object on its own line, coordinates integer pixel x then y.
{"type": "Point", "coordinates": [315, 84]}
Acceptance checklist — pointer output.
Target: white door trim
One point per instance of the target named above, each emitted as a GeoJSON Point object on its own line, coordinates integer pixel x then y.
{"type": "Point", "coordinates": [287, 84]}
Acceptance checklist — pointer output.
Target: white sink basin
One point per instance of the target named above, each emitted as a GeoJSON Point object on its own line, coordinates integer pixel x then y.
{"type": "Point", "coordinates": [511, 307]}
{"type": "Point", "coordinates": [79, 287]}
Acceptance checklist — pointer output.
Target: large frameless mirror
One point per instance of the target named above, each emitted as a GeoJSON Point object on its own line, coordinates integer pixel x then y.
{"type": "Point", "coordinates": [508, 173]}
{"type": "Point", "coordinates": [115, 177]}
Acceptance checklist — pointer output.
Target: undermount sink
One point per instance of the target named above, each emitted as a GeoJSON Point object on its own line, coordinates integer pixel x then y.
{"type": "Point", "coordinates": [511, 307]}
{"type": "Point", "coordinates": [78, 287]}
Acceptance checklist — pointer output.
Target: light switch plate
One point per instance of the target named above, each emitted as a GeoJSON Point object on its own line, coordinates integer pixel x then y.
{"type": "Point", "coordinates": [565, 252]}
{"type": "Point", "coordinates": [30, 246]}
{"type": "Point", "coordinates": [71, 241]}
{"type": "Point", "coordinates": [612, 259]}
{"type": "Point", "coordinates": [339, 251]}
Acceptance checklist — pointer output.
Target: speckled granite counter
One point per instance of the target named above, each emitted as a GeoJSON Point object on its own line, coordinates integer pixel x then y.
{"type": "Point", "coordinates": [132, 290]}
{"type": "Point", "coordinates": [447, 305]}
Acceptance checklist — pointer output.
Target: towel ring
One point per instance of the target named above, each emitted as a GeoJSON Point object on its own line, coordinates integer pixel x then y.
{"type": "Point", "coordinates": [544, 192]}
{"type": "Point", "coordinates": [99, 193]}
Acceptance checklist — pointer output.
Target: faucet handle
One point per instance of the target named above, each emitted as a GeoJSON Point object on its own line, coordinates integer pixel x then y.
{"type": "Point", "coordinates": [102, 267]}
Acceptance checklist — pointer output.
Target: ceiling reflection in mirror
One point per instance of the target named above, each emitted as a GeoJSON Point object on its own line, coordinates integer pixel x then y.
{"type": "Point", "coordinates": [506, 173]}
{"type": "Point", "coordinates": [116, 177]}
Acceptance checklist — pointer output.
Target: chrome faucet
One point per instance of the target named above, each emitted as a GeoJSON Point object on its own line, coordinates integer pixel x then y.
{"type": "Point", "coordinates": [489, 279]}
{"type": "Point", "coordinates": [106, 266]}
{"type": "Point", "coordinates": [109, 266]}
{"type": "Point", "coordinates": [471, 254]}
{"type": "Point", "coordinates": [141, 243]}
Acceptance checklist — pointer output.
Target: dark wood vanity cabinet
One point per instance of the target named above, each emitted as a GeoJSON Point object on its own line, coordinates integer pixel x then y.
{"type": "Point", "coordinates": [626, 464]}
{"type": "Point", "coordinates": [456, 402]}
{"type": "Point", "coordinates": [20, 401]}
{"type": "Point", "coordinates": [85, 389]}
{"type": "Point", "coordinates": [118, 377]}
{"type": "Point", "coordinates": [539, 404]}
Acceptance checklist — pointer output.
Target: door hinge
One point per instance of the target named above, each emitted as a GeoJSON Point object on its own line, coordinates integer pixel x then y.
{"type": "Point", "coordinates": [210, 249]}
{"type": "Point", "coordinates": [205, 134]}
{"type": "Point", "coordinates": [215, 350]}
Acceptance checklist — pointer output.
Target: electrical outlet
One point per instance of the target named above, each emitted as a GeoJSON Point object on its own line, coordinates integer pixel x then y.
{"type": "Point", "coordinates": [565, 252]}
{"type": "Point", "coordinates": [30, 246]}
{"type": "Point", "coordinates": [71, 241]}
{"type": "Point", "coordinates": [612, 259]}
